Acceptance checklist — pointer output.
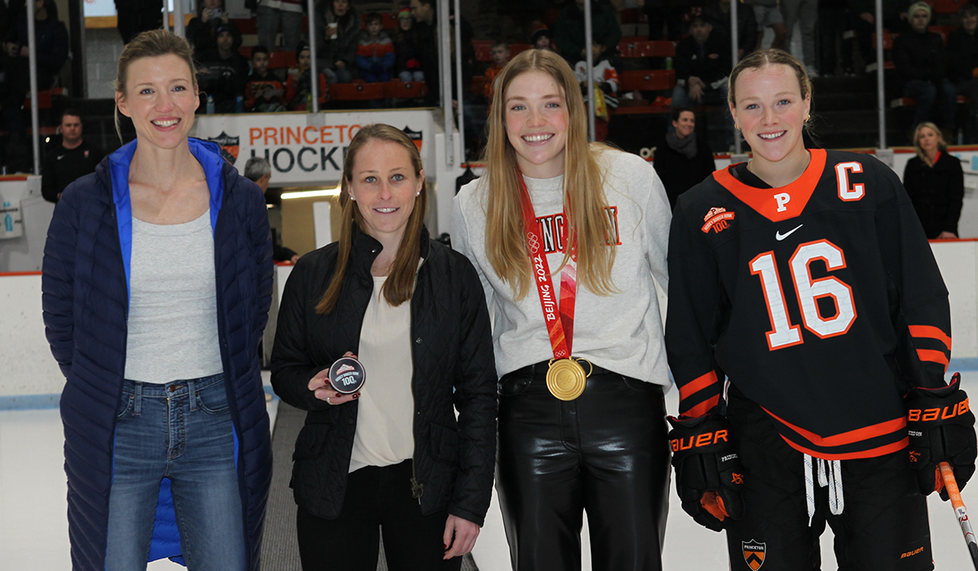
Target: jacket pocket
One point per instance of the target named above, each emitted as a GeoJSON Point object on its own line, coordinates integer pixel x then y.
{"type": "Point", "coordinates": [311, 439]}
{"type": "Point", "coordinates": [444, 444]}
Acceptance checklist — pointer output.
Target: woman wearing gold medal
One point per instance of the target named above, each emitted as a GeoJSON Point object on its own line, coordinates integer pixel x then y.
{"type": "Point", "coordinates": [567, 237]}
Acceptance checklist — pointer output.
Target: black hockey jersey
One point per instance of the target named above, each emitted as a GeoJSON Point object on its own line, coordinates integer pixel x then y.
{"type": "Point", "coordinates": [821, 301]}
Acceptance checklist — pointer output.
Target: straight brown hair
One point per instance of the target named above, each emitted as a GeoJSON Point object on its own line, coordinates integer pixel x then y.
{"type": "Point", "coordinates": [400, 284]}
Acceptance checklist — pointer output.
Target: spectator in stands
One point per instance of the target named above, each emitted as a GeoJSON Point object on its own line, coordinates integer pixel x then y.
{"type": "Point", "coordinates": [500, 57]}
{"type": "Point", "coordinates": [375, 52]}
{"type": "Point", "coordinates": [962, 63]}
{"type": "Point", "coordinates": [298, 86]}
{"type": "Point", "coordinates": [264, 91]}
{"type": "Point", "coordinates": [134, 16]}
{"type": "Point", "coordinates": [569, 29]}
{"type": "Point", "coordinates": [271, 13]}
{"type": "Point", "coordinates": [862, 15]}
{"type": "Point", "coordinates": [666, 15]}
{"type": "Point", "coordinates": [605, 79]}
{"type": "Point", "coordinates": [685, 160]}
{"type": "Point", "coordinates": [426, 37]}
{"type": "Point", "coordinates": [224, 71]}
{"type": "Point", "coordinates": [702, 64]}
{"type": "Point", "coordinates": [407, 62]}
{"type": "Point", "coordinates": [14, 86]}
{"type": "Point", "coordinates": [259, 171]}
{"type": "Point", "coordinates": [834, 26]}
{"type": "Point", "coordinates": [540, 38]}
{"type": "Point", "coordinates": [747, 32]}
{"type": "Point", "coordinates": [805, 14]}
{"type": "Point", "coordinates": [768, 15]}
{"type": "Point", "coordinates": [202, 29]}
{"type": "Point", "coordinates": [935, 182]}
{"type": "Point", "coordinates": [921, 65]}
{"type": "Point", "coordinates": [68, 159]}
{"type": "Point", "coordinates": [337, 33]}
{"type": "Point", "coordinates": [51, 42]}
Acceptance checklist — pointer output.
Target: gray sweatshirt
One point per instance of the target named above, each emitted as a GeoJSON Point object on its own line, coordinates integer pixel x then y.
{"type": "Point", "coordinates": [621, 332]}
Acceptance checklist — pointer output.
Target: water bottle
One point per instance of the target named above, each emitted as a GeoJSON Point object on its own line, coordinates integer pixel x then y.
{"type": "Point", "coordinates": [8, 220]}
{"type": "Point", "coordinates": [239, 104]}
{"type": "Point", "coordinates": [668, 63]}
{"type": "Point", "coordinates": [210, 104]}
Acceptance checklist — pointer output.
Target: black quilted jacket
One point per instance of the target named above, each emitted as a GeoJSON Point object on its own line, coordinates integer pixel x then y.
{"type": "Point", "coordinates": [453, 365]}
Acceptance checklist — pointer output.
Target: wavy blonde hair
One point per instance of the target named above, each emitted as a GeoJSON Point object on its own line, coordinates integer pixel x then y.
{"type": "Point", "coordinates": [399, 286]}
{"type": "Point", "coordinates": [584, 197]}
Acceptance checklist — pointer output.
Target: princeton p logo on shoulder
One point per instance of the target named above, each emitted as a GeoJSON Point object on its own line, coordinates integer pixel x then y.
{"type": "Point", "coordinates": [754, 553]}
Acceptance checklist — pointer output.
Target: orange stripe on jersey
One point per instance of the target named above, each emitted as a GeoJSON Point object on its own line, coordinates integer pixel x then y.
{"type": "Point", "coordinates": [933, 356]}
{"type": "Point", "coordinates": [871, 453]}
{"type": "Point", "coordinates": [853, 436]}
{"type": "Point", "coordinates": [931, 332]}
{"type": "Point", "coordinates": [697, 384]}
{"type": "Point", "coordinates": [702, 409]}
{"type": "Point", "coordinates": [764, 201]}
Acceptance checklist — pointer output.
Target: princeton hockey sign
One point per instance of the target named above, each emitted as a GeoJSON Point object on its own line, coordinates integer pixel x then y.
{"type": "Point", "coordinates": [305, 148]}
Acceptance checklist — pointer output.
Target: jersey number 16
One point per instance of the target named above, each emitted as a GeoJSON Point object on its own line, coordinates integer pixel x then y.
{"type": "Point", "coordinates": [808, 291]}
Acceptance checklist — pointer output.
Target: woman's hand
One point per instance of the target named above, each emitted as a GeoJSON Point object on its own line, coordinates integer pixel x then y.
{"type": "Point", "coordinates": [321, 388]}
{"type": "Point", "coordinates": [945, 235]}
{"type": "Point", "coordinates": [465, 533]}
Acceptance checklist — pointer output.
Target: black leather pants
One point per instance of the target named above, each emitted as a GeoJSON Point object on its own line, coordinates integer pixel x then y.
{"type": "Point", "coordinates": [605, 452]}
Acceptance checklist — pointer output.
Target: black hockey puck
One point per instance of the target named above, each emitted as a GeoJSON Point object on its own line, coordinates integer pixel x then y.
{"type": "Point", "coordinates": [346, 375]}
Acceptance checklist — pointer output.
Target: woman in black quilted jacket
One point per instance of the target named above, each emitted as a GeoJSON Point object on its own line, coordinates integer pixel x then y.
{"type": "Point", "coordinates": [391, 454]}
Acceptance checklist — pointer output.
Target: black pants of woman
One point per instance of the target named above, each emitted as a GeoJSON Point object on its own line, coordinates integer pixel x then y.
{"type": "Point", "coordinates": [605, 452]}
{"type": "Point", "coordinates": [376, 497]}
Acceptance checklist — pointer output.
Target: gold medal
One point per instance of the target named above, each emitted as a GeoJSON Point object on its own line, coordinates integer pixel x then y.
{"type": "Point", "coordinates": [566, 379]}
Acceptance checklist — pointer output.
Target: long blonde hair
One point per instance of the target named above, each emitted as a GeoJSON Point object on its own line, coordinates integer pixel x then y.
{"type": "Point", "coordinates": [399, 286]}
{"type": "Point", "coordinates": [584, 197]}
{"type": "Point", "coordinates": [941, 144]}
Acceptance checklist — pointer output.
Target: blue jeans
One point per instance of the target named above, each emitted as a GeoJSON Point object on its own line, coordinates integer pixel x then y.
{"type": "Point", "coordinates": [181, 431]}
{"type": "Point", "coordinates": [926, 92]}
{"type": "Point", "coordinates": [268, 21]}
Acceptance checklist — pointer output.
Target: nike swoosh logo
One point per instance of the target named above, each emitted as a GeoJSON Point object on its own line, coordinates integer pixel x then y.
{"type": "Point", "coordinates": [781, 236]}
{"type": "Point", "coordinates": [60, 157]}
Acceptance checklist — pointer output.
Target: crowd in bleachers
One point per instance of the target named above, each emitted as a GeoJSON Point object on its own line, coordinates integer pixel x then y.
{"type": "Point", "coordinates": [651, 56]}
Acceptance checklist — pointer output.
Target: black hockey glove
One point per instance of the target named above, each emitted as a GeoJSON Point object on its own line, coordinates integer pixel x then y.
{"type": "Point", "coordinates": [942, 429]}
{"type": "Point", "coordinates": [708, 471]}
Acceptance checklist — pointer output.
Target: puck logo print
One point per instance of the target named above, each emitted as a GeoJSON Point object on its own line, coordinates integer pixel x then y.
{"type": "Point", "coordinates": [754, 553]}
{"type": "Point", "coordinates": [344, 368]}
{"type": "Point", "coordinates": [229, 146]}
{"type": "Point", "coordinates": [717, 219]}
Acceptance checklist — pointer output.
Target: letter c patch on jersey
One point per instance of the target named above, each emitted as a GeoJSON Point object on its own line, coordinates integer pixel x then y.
{"type": "Point", "coordinates": [754, 553]}
{"type": "Point", "coordinates": [846, 192]}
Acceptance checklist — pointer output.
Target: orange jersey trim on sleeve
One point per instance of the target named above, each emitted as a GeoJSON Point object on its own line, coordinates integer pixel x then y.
{"type": "Point", "coordinates": [764, 201]}
{"type": "Point", "coordinates": [933, 356]}
{"type": "Point", "coordinates": [930, 332]}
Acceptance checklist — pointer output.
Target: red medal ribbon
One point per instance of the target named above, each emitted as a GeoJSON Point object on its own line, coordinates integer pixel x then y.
{"type": "Point", "coordinates": [559, 318]}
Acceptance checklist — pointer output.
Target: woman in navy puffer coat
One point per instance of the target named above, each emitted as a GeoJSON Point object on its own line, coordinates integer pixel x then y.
{"type": "Point", "coordinates": [96, 321]}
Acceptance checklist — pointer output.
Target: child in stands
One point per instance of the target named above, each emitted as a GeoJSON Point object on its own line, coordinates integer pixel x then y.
{"type": "Point", "coordinates": [264, 90]}
{"type": "Point", "coordinates": [375, 53]}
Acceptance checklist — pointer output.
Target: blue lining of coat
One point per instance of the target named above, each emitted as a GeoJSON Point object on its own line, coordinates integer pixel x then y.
{"type": "Point", "coordinates": [166, 536]}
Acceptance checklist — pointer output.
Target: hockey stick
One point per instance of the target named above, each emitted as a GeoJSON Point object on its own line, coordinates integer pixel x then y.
{"type": "Point", "coordinates": [960, 510]}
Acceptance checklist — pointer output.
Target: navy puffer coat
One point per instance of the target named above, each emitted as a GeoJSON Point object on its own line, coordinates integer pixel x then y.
{"type": "Point", "coordinates": [86, 300]}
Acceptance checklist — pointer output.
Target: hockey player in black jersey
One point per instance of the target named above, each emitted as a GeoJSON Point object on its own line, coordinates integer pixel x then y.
{"type": "Point", "coordinates": [803, 278]}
